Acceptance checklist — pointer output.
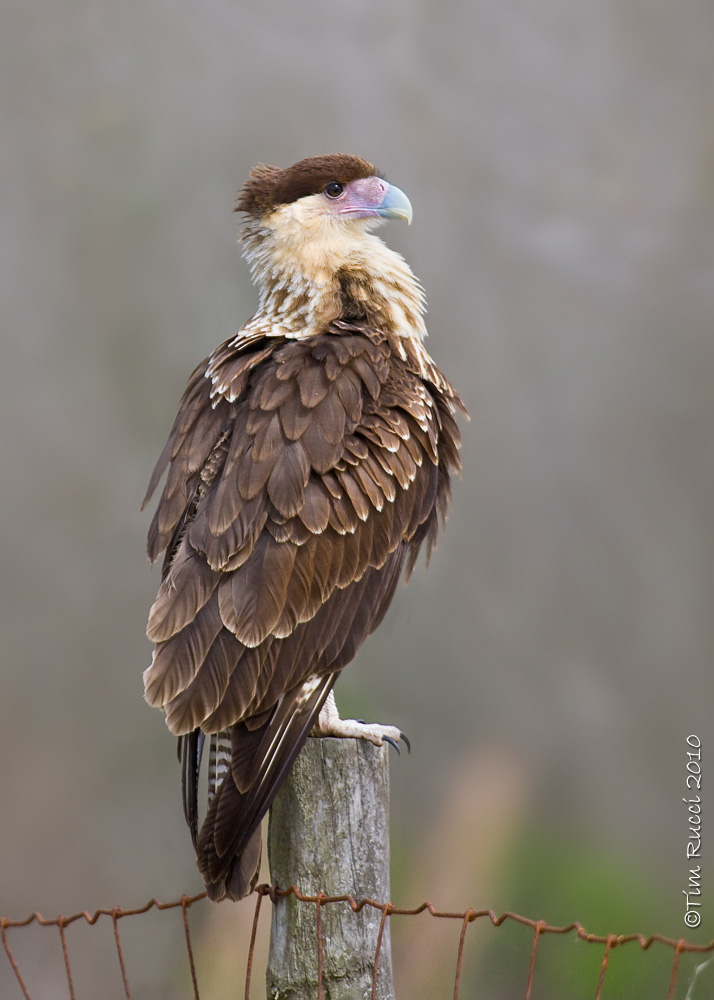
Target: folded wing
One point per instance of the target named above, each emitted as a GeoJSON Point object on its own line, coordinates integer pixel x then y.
{"type": "Point", "coordinates": [302, 478]}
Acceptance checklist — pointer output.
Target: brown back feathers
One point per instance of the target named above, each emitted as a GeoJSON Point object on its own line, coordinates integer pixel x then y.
{"type": "Point", "coordinates": [288, 516]}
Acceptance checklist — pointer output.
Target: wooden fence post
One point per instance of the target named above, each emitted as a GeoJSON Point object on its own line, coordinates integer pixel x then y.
{"type": "Point", "coordinates": [329, 833]}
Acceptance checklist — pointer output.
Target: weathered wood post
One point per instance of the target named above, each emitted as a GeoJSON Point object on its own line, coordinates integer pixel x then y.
{"type": "Point", "coordinates": [329, 833]}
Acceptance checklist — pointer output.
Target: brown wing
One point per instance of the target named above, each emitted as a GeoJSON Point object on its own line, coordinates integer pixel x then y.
{"type": "Point", "coordinates": [300, 502]}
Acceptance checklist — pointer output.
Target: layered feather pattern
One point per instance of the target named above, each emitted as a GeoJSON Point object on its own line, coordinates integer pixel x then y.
{"type": "Point", "coordinates": [292, 503]}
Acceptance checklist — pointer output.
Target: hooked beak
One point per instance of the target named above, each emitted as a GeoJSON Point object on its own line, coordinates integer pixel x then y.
{"type": "Point", "coordinates": [395, 205]}
{"type": "Point", "coordinates": [373, 198]}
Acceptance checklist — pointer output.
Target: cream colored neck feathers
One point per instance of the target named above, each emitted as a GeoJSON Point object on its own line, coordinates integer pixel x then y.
{"type": "Point", "coordinates": [312, 269]}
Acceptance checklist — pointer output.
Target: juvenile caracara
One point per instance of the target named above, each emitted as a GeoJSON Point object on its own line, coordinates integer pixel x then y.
{"type": "Point", "coordinates": [309, 461]}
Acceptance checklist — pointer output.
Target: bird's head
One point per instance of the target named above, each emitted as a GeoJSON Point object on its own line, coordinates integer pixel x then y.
{"type": "Point", "coordinates": [311, 253]}
{"type": "Point", "coordinates": [337, 189]}
{"type": "Point", "coordinates": [311, 218]}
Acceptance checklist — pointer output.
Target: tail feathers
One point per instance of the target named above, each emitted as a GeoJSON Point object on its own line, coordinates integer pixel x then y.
{"type": "Point", "coordinates": [228, 847]}
{"type": "Point", "coordinates": [242, 875]}
{"type": "Point", "coordinates": [190, 751]}
{"type": "Point", "coordinates": [219, 761]}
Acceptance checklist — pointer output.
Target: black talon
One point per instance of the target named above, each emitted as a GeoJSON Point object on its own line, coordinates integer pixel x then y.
{"type": "Point", "coordinates": [361, 722]}
{"type": "Point", "coordinates": [407, 744]}
{"type": "Point", "coordinates": [388, 739]}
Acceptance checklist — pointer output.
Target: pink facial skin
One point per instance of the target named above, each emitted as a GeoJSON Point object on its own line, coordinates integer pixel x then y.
{"type": "Point", "coordinates": [370, 197]}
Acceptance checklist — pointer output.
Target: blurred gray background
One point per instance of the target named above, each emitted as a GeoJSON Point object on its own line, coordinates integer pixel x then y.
{"type": "Point", "coordinates": [549, 667]}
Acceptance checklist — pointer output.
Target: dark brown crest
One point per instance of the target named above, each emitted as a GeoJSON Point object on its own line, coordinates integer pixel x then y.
{"type": "Point", "coordinates": [268, 186]}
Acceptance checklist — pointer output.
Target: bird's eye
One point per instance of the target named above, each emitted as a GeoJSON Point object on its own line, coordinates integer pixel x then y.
{"type": "Point", "coordinates": [334, 189]}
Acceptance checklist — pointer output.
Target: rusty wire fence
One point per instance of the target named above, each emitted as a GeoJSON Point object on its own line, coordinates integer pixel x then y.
{"type": "Point", "coordinates": [11, 929]}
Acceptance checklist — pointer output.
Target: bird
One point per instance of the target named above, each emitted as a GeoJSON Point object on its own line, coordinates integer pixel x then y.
{"type": "Point", "coordinates": [308, 464]}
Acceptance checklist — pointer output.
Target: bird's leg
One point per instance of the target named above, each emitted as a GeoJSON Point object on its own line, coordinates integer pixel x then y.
{"type": "Point", "coordinates": [329, 723]}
